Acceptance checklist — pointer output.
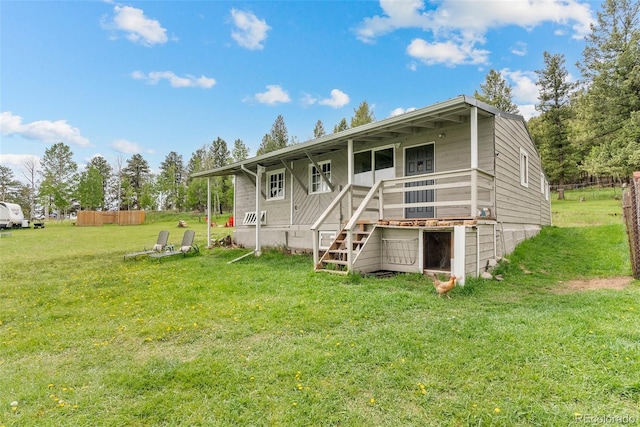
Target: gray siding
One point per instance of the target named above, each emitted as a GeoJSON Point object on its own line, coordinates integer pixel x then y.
{"type": "Point", "coordinates": [369, 258]}
{"type": "Point", "coordinates": [515, 203]}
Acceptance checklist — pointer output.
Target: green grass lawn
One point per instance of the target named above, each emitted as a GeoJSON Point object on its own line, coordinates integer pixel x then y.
{"type": "Point", "coordinates": [87, 339]}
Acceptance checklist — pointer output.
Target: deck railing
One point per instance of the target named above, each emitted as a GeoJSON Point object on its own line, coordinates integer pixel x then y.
{"type": "Point", "coordinates": [473, 190]}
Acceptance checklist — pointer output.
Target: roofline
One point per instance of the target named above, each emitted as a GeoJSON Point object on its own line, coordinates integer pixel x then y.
{"type": "Point", "coordinates": [352, 132]}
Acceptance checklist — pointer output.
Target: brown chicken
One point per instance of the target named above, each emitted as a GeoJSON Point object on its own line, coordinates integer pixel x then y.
{"type": "Point", "coordinates": [444, 287]}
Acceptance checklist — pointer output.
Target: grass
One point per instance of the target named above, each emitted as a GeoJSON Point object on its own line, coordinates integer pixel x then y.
{"type": "Point", "coordinates": [88, 339]}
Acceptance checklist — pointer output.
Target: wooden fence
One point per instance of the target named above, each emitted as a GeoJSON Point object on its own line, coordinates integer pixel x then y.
{"type": "Point", "coordinates": [631, 211]}
{"type": "Point", "coordinates": [98, 218]}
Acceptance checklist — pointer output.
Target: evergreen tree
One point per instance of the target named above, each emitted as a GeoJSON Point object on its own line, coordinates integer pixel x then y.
{"type": "Point", "coordinates": [58, 177]}
{"type": "Point", "coordinates": [8, 184]}
{"type": "Point", "coordinates": [276, 139]}
{"type": "Point", "coordinates": [196, 196]}
{"type": "Point", "coordinates": [551, 130]}
{"type": "Point", "coordinates": [240, 151]}
{"type": "Point", "coordinates": [220, 186]}
{"type": "Point", "coordinates": [342, 125]}
{"type": "Point", "coordinates": [497, 92]}
{"type": "Point", "coordinates": [105, 171]}
{"type": "Point", "coordinates": [609, 108]}
{"type": "Point", "coordinates": [171, 181]}
{"type": "Point", "coordinates": [136, 174]}
{"type": "Point", "coordinates": [318, 131]}
{"type": "Point", "coordinates": [362, 115]}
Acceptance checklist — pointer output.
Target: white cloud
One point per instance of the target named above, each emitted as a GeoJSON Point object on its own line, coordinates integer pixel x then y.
{"type": "Point", "coordinates": [154, 78]}
{"type": "Point", "coordinates": [338, 99]}
{"type": "Point", "coordinates": [460, 25]}
{"type": "Point", "coordinates": [128, 147]}
{"type": "Point", "coordinates": [16, 161]}
{"type": "Point", "coordinates": [250, 31]}
{"type": "Point", "coordinates": [138, 28]}
{"type": "Point", "coordinates": [308, 99]}
{"type": "Point", "coordinates": [41, 130]}
{"type": "Point", "coordinates": [400, 110]}
{"type": "Point", "coordinates": [273, 95]}
{"type": "Point", "coordinates": [519, 49]}
{"type": "Point", "coordinates": [447, 53]}
{"type": "Point", "coordinates": [523, 84]}
{"type": "Point", "coordinates": [528, 111]}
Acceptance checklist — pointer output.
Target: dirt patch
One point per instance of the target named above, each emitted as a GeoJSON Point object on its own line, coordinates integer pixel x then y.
{"type": "Point", "coordinates": [592, 284]}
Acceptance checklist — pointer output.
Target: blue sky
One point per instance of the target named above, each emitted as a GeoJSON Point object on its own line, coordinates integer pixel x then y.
{"type": "Point", "coordinates": [116, 78]}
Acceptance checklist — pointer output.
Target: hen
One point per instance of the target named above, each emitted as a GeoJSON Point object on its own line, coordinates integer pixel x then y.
{"type": "Point", "coordinates": [444, 287]}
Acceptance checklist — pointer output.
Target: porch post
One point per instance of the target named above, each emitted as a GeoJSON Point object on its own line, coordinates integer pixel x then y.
{"type": "Point", "coordinates": [349, 176]}
{"type": "Point", "coordinates": [208, 211]}
{"type": "Point", "coordinates": [474, 161]}
{"type": "Point", "coordinates": [259, 171]}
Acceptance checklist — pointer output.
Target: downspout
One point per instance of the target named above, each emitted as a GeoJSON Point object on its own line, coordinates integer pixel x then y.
{"type": "Point", "coordinates": [257, 175]}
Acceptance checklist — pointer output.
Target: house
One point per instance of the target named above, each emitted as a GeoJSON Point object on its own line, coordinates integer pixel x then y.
{"type": "Point", "coordinates": [445, 188]}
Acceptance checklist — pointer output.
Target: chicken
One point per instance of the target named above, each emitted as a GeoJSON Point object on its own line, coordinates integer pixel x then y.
{"type": "Point", "coordinates": [444, 287]}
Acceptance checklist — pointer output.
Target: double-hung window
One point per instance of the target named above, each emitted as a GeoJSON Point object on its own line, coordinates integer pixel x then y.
{"type": "Point", "coordinates": [275, 185]}
{"type": "Point", "coordinates": [316, 183]}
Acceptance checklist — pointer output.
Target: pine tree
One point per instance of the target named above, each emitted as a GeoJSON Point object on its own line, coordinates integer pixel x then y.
{"type": "Point", "coordinates": [342, 125]}
{"type": "Point", "coordinates": [610, 107]}
{"type": "Point", "coordinates": [105, 170]}
{"type": "Point", "coordinates": [58, 177]}
{"type": "Point", "coordinates": [362, 115]}
{"type": "Point", "coordinates": [276, 139]}
{"type": "Point", "coordinates": [136, 174]}
{"type": "Point", "coordinates": [551, 130]}
{"type": "Point", "coordinates": [171, 181]}
{"type": "Point", "coordinates": [8, 184]}
{"type": "Point", "coordinates": [318, 131]}
{"type": "Point", "coordinates": [497, 92]}
{"type": "Point", "coordinates": [240, 151]}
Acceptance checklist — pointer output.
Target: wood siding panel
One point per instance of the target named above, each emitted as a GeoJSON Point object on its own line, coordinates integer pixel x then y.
{"type": "Point", "coordinates": [514, 202]}
{"type": "Point", "coordinates": [368, 259]}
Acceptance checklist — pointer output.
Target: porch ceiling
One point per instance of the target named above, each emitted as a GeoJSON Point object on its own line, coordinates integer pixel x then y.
{"type": "Point", "coordinates": [454, 111]}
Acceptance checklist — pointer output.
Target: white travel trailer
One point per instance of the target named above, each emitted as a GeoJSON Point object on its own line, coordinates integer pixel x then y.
{"type": "Point", "coordinates": [11, 216]}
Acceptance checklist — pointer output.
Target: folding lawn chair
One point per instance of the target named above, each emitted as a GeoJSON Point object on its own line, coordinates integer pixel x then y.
{"type": "Point", "coordinates": [161, 244]}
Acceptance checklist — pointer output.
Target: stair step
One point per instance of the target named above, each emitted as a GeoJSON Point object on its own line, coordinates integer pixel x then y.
{"type": "Point", "coordinates": [334, 261]}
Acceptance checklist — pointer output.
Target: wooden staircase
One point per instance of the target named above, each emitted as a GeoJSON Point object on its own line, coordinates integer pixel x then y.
{"type": "Point", "coordinates": [335, 259]}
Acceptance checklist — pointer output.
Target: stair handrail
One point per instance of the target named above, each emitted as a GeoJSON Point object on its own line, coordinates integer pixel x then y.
{"type": "Point", "coordinates": [315, 228]}
{"type": "Point", "coordinates": [356, 217]}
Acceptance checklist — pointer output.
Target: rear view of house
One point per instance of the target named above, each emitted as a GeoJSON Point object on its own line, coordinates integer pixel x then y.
{"type": "Point", "coordinates": [444, 188]}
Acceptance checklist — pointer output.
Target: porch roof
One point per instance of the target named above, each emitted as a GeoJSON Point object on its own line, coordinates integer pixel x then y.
{"type": "Point", "coordinates": [453, 111]}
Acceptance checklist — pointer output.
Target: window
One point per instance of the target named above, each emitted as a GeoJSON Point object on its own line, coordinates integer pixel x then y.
{"type": "Point", "coordinates": [524, 168]}
{"type": "Point", "coordinates": [373, 165]}
{"type": "Point", "coordinates": [275, 185]}
{"type": "Point", "coordinates": [317, 184]}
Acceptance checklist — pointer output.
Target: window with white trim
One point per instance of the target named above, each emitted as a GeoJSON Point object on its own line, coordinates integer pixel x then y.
{"type": "Point", "coordinates": [275, 185]}
{"type": "Point", "coordinates": [524, 168]}
{"type": "Point", "coordinates": [373, 165]}
{"type": "Point", "coordinates": [316, 183]}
